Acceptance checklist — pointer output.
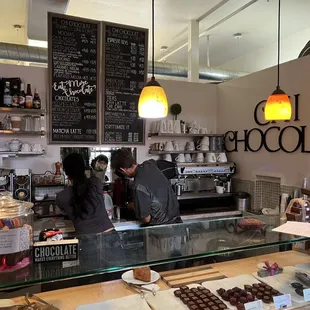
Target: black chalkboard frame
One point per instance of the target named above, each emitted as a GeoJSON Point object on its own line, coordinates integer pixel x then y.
{"type": "Point", "coordinates": [50, 77]}
{"type": "Point", "coordinates": [104, 24]}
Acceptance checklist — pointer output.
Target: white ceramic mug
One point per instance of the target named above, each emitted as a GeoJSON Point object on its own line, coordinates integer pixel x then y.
{"type": "Point", "coordinates": [190, 146]}
{"type": "Point", "coordinates": [203, 131]}
{"type": "Point", "coordinates": [222, 158]}
{"type": "Point", "coordinates": [168, 146]}
{"type": "Point", "coordinates": [177, 126]}
{"type": "Point", "coordinates": [26, 147]}
{"type": "Point", "coordinates": [180, 158]}
{"type": "Point", "coordinates": [211, 158]}
{"type": "Point", "coordinates": [37, 148]}
{"type": "Point", "coordinates": [203, 147]}
{"type": "Point", "coordinates": [188, 158]}
{"type": "Point", "coordinates": [168, 157]}
{"type": "Point", "coordinates": [163, 127]}
{"type": "Point", "coordinates": [161, 146]}
{"type": "Point", "coordinates": [193, 130]}
{"type": "Point", "coordinates": [176, 145]}
{"type": "Point", "coordinates": [205, 141]}
{"type": "Point", "coordinates": [220, 189]}
{"type": "Point", "coordinates": [199, 158]}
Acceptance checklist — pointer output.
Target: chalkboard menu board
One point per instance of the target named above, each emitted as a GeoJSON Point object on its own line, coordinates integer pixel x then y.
{"type": "Point", "coordinates": [74, 71]}
{"type": "Point", "coordinates": [125, 51]}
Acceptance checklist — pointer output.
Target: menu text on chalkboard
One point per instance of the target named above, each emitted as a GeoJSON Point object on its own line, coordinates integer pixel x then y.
{"type": "Point", "coordinates": [74, 71]}
{"type": "Point", "coordinates": [125, 51]}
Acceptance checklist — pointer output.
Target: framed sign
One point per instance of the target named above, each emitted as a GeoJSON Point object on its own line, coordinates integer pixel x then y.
{"type": "Point", "coordinates": [74, 79]}
{"type": "Point", "coordinates": [125, 54]}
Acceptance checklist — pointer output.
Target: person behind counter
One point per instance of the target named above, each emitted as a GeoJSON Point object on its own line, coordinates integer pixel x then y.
{"type": "Point", "coordinates": [83, 202]}
{"type": "Point", "coordinates": [99, 166]}
{"type": "Point", "coordinates": [154, 200]}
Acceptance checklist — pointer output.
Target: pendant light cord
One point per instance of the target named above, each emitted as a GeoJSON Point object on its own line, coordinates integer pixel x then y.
{"type": "Point", "coordinates": [279, 24]}
{"type": "Point", "coordinates": [153, 37]}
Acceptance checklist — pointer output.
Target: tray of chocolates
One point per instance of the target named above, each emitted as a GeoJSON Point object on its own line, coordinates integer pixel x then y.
{"type": "Point", "coordinates": [199, 298]}
{"type": "Point", "coordinates": [238, 291]}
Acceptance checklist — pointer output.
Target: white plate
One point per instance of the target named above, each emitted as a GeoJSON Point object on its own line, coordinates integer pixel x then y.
{"type": "Point", "coordinates": [129, 278]}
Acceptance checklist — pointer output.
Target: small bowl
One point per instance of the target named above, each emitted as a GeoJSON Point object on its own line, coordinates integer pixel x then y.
{"type": "Point", "coordinates": [39, 198]}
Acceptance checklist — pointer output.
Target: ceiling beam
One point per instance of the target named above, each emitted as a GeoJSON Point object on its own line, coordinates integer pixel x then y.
{"type": "Point", "coordinates": [206, 31]}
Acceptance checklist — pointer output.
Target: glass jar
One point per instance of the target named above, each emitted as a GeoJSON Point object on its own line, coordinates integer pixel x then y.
{"type": "Point", "coordinates": [16, 236]}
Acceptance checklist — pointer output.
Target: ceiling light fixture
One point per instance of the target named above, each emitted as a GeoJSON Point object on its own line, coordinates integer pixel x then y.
{"type": "Point", "coordinates": [278, 105]}
{"type": "Point", "coordinates": [153, 101]}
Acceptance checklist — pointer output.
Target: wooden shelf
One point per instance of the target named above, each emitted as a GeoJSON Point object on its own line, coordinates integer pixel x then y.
{"type": "Point", "coordinates": [22, 111]}
{"type": "Point", "coordinates": [22, 133]}
{"type": "Point", "coordinates": [183, 135]}
{"type": "Point", "coordinates": [177, 152]}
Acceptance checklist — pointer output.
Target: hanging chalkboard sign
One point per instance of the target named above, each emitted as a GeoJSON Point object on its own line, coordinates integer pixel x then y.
{"type": "Point", "coordinates": [74, 72]}
{"type": "Point", "coordinates": [125, 51]}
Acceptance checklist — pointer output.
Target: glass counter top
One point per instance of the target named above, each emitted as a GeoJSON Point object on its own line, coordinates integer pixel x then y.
{"type": "Point", "coordinates": [116, 251]}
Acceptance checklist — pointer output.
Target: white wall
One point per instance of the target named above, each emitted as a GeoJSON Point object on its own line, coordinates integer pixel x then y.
{"type": "Point", "coordinates": [237, 100]}
{"type": "Point", "coordinates": [266, 57]}
{"type": "Point", "coordinates": [198, 102]}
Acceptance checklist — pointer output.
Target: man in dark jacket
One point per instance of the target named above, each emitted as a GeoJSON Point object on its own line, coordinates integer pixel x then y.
{"type": "Point", "coordinates": [154, 199]}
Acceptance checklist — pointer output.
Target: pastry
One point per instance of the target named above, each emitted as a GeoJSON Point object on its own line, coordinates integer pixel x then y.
{"type": "Point", "coordinates": [142, 274]}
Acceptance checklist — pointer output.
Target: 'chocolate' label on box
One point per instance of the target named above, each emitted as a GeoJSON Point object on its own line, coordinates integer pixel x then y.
{"type": "Point", "coordinates": [54, 251]}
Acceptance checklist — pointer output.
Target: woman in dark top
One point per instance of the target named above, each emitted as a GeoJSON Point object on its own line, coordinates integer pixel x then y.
{"type": "Point", "coordinates": [83, 202]}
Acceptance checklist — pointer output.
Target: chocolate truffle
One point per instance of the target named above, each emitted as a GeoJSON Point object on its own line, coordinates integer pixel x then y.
{"type": "Point", "coordinates": [222, 306]}
{"type": "Point", "coordinates": [225, 296]}
{"type": "Point", "coordinates": [236, 289]}
{"type": "Point", "coordinates": [200, 288]}
{"type": "Point", "coordinates": [243, 293]}
{"type": "Point", "coordinates": [177, 293]}
{"type": "Point", "coordinates": [266, 299]}
{"type": "Point", "coordinates": [190, 303]}
{"type": "Point", "coordinates": [229, 292]}
{"type": "Point", "coordinates": [221, 291]}
{"type": "Point", "coordinates": [190, 295]}
{"type": "Point", "coordinates": [236, 295]}
{"type": "Point", "coordinates": [206, 291]}
{"type": "Point", "coordinates": [205, 300]}
{"type": "Point", "coordinates": [194, 298]}
{"type": "Point", "coordinates": [183, 288]}
{"type": "Point", "coordinates": [243, 300]}
{"type": "Point", "coordinates": [256, 285]}
{"type": "Point", "coordinates": [193, 307]}
{"type": "Point", "coordinates": [248, 288]}
{"type": "Point", "coordinates": [214, 308]}
{"type": "Point", "coordinates": [254, 291]}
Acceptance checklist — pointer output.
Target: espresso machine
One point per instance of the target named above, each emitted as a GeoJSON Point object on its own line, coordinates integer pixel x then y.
{"type": "Point", "coordinates": [203, 188]}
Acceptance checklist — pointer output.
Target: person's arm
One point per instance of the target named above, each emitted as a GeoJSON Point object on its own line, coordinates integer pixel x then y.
{"type": "Point", "coordinates": [143, 201]}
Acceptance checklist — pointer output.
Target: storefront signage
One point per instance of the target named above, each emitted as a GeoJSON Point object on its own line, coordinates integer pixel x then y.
{"type": "Point", "coordinates": [54, 251]}
{"type": "Point", "coordinates": [234, 139]}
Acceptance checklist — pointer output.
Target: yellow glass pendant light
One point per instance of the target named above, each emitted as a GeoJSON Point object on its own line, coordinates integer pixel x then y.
{"type": "Point", "coordinates": [278, 105]}
{"type": "Point", "coordinates": [153, 101]}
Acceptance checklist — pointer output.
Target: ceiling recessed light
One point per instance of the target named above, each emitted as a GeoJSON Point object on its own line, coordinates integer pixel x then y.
{"type": "Point", "coordinates": [237, 35]}
{"type": "Point", "coordinates": [163, 48]}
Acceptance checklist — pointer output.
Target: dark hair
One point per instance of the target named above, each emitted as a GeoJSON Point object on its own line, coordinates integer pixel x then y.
{"type": "Point", "coordinates": [74, 167]}
{"type": "Point", "coordinates": [99, 158]}
{"type": "Point", "coordinates": [122, 158]}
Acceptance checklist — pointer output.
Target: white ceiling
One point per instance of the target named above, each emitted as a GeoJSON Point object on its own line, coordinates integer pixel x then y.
{"type": "Point", "coordinates": [256, 20]}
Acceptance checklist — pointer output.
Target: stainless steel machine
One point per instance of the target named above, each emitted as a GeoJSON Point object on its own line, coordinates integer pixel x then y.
{"type": "Point", "coordinates": [205, 188]}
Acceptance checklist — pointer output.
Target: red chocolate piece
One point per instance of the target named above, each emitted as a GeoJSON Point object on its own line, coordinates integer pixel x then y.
{"type": "Point", "coordinates": [250, 298]}
{"type": "Point", "coordinates": [240, 307]}
{"type": "Point", "coordinates": [233, 301]}
{"type": "Point", "coordinates": [236, 295]}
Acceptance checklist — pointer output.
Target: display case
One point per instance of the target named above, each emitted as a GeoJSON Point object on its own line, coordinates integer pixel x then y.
{"type": "Point", "coordinates": [117, 251]}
